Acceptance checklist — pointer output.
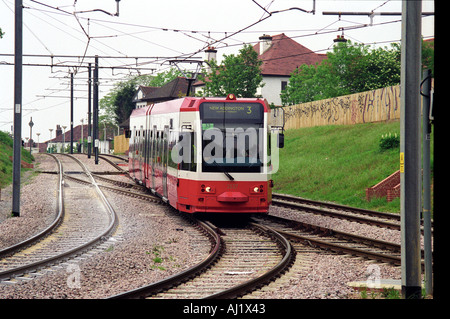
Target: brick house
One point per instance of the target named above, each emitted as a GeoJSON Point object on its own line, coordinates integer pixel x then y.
{"type": "Point", "coordinates": [147, 95]}
{"type": "Point", "coordinates": [281, 56]}
{"type": "Point", "coordinates": [62, 140]}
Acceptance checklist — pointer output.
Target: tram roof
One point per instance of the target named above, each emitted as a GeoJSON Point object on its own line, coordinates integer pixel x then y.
{"type": "Point", "coordinates": [191, 104]}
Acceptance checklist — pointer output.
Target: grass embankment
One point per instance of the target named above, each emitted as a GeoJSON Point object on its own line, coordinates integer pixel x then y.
{"type": "Point", "coordinates": [337, 163]}
{"type": "Point", "coordinates": [6, 165]}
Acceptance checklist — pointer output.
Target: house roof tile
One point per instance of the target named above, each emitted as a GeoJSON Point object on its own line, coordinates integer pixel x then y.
{"type": "Point", "coordinates": [285, 55]}
{"type": "Point", "coordinates": [172, 90]}
{"type": "Point", "coordinates": [77, 134]}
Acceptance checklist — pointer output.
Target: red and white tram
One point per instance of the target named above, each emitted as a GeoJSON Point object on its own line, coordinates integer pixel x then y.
{"type": "Point", "coordinates": [204, 154]}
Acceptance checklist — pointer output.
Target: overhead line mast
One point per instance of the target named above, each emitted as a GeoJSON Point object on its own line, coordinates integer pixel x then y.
{"type": "Point", "coordinates": [17, 146]}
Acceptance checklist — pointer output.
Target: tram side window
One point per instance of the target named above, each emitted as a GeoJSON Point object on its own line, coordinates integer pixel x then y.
{"type": "Point", "coordinates": [173, 159]}
{"type": "Point", "coordinates": [140, 137]}
{"type": "Point", "coordinates": [189, 160]}
{"type": "Point", "coordinates": [134, 141]}
{"type": "Point", "coordinates": [164, 142]}
{"type": "Point", "coordinates": [158, 149]}
{"type": "Point", "coordinates": [150, 147]}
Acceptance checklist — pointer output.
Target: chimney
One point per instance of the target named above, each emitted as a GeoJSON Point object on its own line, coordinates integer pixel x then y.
{"type": "Point", "coordinates": [58, 130]}
{"type": "Point", "coordinates": [210, 54]}
{"type": "Point", "coordinates": [265, 44]}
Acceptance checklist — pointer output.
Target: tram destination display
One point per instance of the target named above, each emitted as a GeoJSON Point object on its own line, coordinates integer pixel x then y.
{"type": "Point", "coordinates": [231, 111]}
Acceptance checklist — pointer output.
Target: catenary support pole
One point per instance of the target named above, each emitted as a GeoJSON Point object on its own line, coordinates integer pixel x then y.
{"type": "Point", "coordinates": [95, 104]}
{"type": "Point", "coordinates": [426, 136]}
{"type": "Point", "coordinates": [71, 112]}
{"type": "Point", "coordinates": [89, 111]}
{"type": "Point", "coordinates": [410, 168]}
{"type": "Point", "coordinates": [17, 147]}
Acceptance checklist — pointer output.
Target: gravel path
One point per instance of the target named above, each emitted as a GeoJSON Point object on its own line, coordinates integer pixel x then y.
{"type": "Point", "coordinates": [151, 244]}
{"type": "Point", "coordinates": [37, 205]}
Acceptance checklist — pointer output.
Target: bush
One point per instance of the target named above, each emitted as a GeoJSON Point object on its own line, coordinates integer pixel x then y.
{"type": "Point", "coordinates": [389, 141]}
{"type": "Point", "coordinates": [6, 139]}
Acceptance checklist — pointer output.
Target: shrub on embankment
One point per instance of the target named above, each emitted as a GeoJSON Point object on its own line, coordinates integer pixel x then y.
{"type": "Point", "coordinates": [337, 163]}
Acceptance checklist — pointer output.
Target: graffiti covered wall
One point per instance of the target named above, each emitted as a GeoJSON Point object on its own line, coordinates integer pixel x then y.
{"type": "Point", "coordinates": [371, 106]}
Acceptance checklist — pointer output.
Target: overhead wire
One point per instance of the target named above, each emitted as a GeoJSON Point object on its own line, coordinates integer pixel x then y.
{"type": "Point", "coordinates": [204, 33]}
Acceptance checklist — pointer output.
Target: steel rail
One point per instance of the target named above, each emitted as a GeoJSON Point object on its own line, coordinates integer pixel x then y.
{"type": "Point", "coordinates": [125, 191]}
{"type": "Point", "coordinates": [318, 211]}
{"type": "Point", "coordinates": [338, 234]}
{"type": "Point", "coordinates": [181, 277]}
{"type": "Point", "coordinates": [114, 218]}
{"type": "Point", "coordinates": [278, 269]}
{"type": "Point", "coordinates": [361, 211]}
{"type": "Point", "coordinates": [300, 202]}
{"type": "Point", "coordinates": [115, 165]}
{"type": "Point", "coordinates": [53, 225]}
{"type": "Point", "coordinates": [77, 250]}
{"type": "Point", "coordinates": [336, 247]}
{"type": "Point", "coordinates": [343, 249]}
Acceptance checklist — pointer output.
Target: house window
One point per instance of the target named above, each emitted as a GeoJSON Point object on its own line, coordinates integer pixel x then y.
{"type": "Point", "coordinates": [283, 85]}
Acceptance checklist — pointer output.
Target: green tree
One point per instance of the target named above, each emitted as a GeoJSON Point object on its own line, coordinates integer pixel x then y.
{"type": "Point", "coordinates": [428, 55]}
{"type": "Point", "coordinates": [382, 68]}
{"type": "Point", "coordinates": [164, 77]}
{"type": "Point", "coordinates": [239, 75]}
{"type": "Point", "coordinates": [117, 105]}
{"type": "Point", "coordinates": [123, 101]}
{"type": "Point", "coordinates": [349, 68]}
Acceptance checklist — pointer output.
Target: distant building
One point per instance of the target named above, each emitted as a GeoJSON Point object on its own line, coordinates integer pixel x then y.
{"type": "Point", "coordinates": [139, 97]}
{"type": "Point", "coordinates": [62, 140]}
{"type": "Point", "coordinates": [148, 95]}
{"type": "Point", "coordinates": [281, 56]}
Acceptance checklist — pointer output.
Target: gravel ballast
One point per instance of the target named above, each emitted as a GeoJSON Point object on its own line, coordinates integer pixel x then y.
{"type": "Point", "coordinates": [152, 243]}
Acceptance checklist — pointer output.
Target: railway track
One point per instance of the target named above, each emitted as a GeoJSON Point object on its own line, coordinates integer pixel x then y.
{"type": "Point", "coordinates": [233, 249]}
{"type": "Point", "coordinates": [73, 232]}
{"type": "Point", "coordinates": [240, 260]}
{"type": "Point", "coordinates": [313, 236]}
{"type": "Point", "coordinates": [334, 241]}
{"type": "Point", "coordinates": [319, 238]}
{"type": "Point", "coordinates": [364, 216]}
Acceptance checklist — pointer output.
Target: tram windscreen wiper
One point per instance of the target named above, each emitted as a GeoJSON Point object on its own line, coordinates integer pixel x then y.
{"type": "Point", "coordinates": [224, 171]}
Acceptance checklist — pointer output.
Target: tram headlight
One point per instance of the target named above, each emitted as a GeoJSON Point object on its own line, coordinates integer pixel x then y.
{"type": "Point", "coordinates": [207, 189]}
{"type": "Point", "coordinates": [257, 189]}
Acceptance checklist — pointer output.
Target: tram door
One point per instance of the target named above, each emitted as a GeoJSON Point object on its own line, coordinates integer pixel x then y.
{"type": "Point", "coordinates": [133, 154]}
{"type": "Point", "coordinates": [165, 158]}
{"type": "Point", "coordinates": [148, 154]}
{"type": "Point", "coordinates": [154, 155]}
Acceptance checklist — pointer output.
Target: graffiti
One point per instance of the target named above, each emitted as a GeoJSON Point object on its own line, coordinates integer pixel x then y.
{"type": "Point", "coordinates": [354, 111]}
{"type": "Point", "coordinates": [329, 109]}
{"type": "Point", "coordinates": [371, 106]}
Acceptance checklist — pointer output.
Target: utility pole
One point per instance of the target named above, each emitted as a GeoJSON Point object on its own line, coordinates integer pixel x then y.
{"type": "Point", "coordinates": [96, 141]}
{"type": "Point", "coordinates": [89, 111]}
{"type": "Point", "coordinates": [410, 168]}
{"type": "Point", "coordinates": [31, 132]}
{"type": "Point", "coordinates": [426, 136]}
{"type": "Point", "coordinates": [82, 136]}
{"type": "Point", "coordinates": [17, 147]}
{"type": "Point", "coordinates": [71, 112]}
